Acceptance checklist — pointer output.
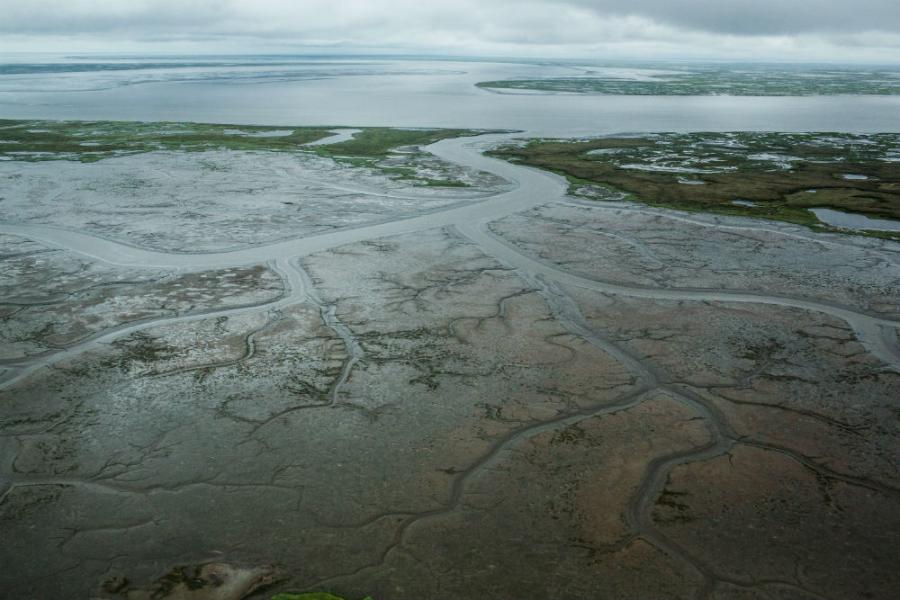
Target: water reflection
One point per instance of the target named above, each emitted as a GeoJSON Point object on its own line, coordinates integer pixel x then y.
{"type": "Point", "coordinates": [414, 93]}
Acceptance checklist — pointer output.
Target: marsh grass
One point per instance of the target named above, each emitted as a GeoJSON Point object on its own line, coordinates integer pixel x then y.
{"type": "Point", "coordinates": [710, 80]}
{"type": "Point", "coordinates": [379, 142]}
{"type": "Point", "coordinates": [798, 172]}
{"type": "Point", "coordinates": [91, 141]}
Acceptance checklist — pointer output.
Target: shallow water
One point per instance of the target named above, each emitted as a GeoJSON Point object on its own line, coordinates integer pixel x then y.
{"type": "Point", "coordinates": [836, 218]}
{"type": "Point", "coordinates": [414, 93]}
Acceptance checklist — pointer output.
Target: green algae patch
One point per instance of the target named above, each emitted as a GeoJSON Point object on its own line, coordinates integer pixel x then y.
{"type": "Point", "coordinates": [312, 596]}
{"type": "Point", "coordinates": [776, 176]}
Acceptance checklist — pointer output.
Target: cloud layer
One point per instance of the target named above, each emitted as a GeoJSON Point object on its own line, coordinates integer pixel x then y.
{"type": "Point", "coordinates": [764, 29]}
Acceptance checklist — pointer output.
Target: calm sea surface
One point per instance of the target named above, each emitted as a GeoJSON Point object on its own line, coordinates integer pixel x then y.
{"type": "Point", "coordinates": [392, 92]}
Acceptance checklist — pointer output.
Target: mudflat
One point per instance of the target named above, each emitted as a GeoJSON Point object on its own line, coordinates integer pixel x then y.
{"type": "Point", "coordinates": [243, 361]}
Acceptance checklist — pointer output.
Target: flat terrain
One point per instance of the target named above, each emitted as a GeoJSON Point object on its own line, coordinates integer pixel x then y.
{"type": "Point", "coordinates": [771, 175]}
{"type": "Point", "coordinates": [381, 363]}
{"type": "Point", "coordinates": [673, 79]}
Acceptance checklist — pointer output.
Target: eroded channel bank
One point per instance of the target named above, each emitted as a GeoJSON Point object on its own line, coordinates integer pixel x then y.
{"type": "Point", "coordinates": [532, 189]}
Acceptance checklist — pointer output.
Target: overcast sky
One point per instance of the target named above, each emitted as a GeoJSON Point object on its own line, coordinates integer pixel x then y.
{"type": "Point", "coordinates": [803, 30]}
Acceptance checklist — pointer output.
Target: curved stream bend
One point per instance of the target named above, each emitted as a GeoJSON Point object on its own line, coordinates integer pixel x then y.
{"type": "Point", "coordinates": [531, 188]}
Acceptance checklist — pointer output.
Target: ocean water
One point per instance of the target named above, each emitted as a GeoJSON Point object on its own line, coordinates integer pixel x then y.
{"type": "Point", "coordinates": [405, 92]}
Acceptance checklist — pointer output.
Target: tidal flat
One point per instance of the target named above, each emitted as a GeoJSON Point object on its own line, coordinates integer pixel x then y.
{"type": "Point", "coordinates": [254, 362]}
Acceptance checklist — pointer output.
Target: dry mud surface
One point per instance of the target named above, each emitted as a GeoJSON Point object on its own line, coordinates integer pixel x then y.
{"type": "Point", "coordinates": [500, 392]}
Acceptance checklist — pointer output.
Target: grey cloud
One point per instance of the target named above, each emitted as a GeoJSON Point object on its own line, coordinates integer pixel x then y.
{"type": "Point", "coordinates": [746, 28]}
{"type": "Point", "coordinates": [759, 17]}
{"type": "Point", "coordinates": [92, 17]}
{"type": "Point", "coordinates": [743, 17]}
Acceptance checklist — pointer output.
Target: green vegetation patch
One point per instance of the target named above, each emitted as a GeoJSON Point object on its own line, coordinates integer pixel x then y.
{"type": "Point", "coordinates": [394, 152]}
{"type": "Point", "coordinates": [379, 142]}
{"type": "Point", "coordinates": [90, 141]}
{"type": "Point", "coordinates": [711, 80]}
{"type": "Point", "coordinates": [769, 175]}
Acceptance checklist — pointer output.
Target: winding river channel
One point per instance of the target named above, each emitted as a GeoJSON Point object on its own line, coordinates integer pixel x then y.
{"type": "Point", "coordinates": [531, 188]}
{"type": "Point", "coordinates": [470, 219]}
